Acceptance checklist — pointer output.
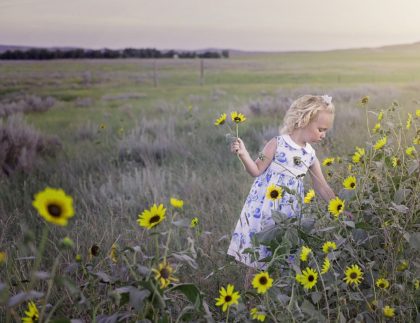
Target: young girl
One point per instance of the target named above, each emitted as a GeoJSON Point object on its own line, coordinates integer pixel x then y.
{"type": "Point", "coordinates": [284, 161]}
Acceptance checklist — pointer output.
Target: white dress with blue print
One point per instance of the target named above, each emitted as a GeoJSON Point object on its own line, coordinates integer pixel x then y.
{"type": "Point", "coordinates": [289, 166]}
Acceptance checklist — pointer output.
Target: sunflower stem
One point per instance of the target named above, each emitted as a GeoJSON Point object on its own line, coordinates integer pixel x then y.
{"type": "Point", "coordinates": [227, 314]}
{"type": "Point", "coordinates": [168, 239]}
{"type": "Point", "coordinates": [50, 285]}
{"type": "Point", "coordinates": [38, 259]}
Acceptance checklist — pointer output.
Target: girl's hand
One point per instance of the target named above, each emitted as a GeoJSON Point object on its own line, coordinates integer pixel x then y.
{"type": "Point", "coordinates": [237, 147]}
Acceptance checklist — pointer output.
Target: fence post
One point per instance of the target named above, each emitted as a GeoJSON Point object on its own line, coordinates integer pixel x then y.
{"type": "Point", "coordinates": [202, 72]}
{"type": "Point", "coordinates": [155, 80]}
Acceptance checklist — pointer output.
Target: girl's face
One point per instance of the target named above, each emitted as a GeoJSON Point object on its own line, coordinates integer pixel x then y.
{"type": "Point", "coordinates": [316, 129]}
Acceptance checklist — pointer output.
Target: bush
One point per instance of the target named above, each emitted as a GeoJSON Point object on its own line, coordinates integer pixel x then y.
{"type": "Point", "coordinates": [21, 145]}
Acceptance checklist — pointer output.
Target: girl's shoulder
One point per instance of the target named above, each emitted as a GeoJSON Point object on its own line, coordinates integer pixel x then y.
{"type": "Point", "coordinates": [284, 141]}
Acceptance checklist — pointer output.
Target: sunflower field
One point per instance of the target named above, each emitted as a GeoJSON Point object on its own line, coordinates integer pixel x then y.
{"type": "Point", "coordinates": [117, 202]}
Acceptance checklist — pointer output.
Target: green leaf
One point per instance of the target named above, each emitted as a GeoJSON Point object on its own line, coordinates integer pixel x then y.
{"type": "Point", "coordinates": [350, 224]}
{"type": "Point", "coordinates": [4, 293]}
{"type": "Point", "coordinates": [192, 293]}
{"type": "Point", "coordinates": [270, 233]}
{"type": "Point", "coordinates": [399, 208]}
{"type": "Point", "coordinates": [414, 240]}
{"type": "Point", "coordinates": [24, 297]}
{"type": "Point", "coordinates": [186, 259]}
{"type": "Point", "coordinates": [182, 223]}
{"type": "Point", "coordinates": [316, 297]}
{"type": "Point", "coordinates": [414, 165]}
{"type": "Point", "coordinates": [401, 195]}
{"type": "Point", "coordinates": [310, 310]}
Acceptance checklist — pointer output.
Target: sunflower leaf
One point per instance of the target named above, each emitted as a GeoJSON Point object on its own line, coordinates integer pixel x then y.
{"type": "Point", "coordinates": [23, 297]}
{"type": "Point", "coordinates": [414, 240]}
{"type": "Point", "coordinates": [192, 293]}
{"type": "Point", "coordinates": [183, 223]}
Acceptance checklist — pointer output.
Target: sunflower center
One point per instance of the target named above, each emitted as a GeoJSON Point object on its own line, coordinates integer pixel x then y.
{"type": "Point", "coordinates": [54, 210]}
{"type": "Point", "coordinates": [382, 285]}
{"type": "Point", "coordinates": [228, 298]}
{"type": "Point", "coordinates": [94, 250]}
{"type": "Point", "coordinates": [311, 278]}
{"type": "Point", "coordinates": [353, 275]}
{"type": "Point", "coordinates": [352, 185]}
{"type": "Point", "coordinates": [237, 119]}
{"type": "Point", "coordinates": [154, 219]}
{"type": "Point", "coordinates": [274, 194]}
{"type": "Point", "coordinates": [263, 281]}
{"type": "Point", "coordinates": [164, 273]}
{"type": "Point", "coordinates": [339, 207]}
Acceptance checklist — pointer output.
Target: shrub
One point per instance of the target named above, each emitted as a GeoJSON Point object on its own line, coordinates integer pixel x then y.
{"type": "Point", "coordinates": [21, 145]}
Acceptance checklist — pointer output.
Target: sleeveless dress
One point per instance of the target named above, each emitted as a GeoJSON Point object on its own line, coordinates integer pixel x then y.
{"type": "Point", "coordinates": [289, 166]}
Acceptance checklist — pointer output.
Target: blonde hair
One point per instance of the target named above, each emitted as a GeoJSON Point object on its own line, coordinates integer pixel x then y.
{"type": "Point", "coordinates": [303, 110]}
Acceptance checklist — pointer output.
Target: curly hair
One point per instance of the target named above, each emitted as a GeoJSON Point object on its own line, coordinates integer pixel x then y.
{"type": "Point", "coordinates": [303, 110]}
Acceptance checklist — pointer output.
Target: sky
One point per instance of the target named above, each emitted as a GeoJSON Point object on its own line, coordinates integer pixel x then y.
{"type": "Point", "coordinates": [264, 25]}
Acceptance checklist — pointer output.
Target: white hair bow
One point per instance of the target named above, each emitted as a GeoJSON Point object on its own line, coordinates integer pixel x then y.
{"type": "Point", "coordinates": [327, 99]}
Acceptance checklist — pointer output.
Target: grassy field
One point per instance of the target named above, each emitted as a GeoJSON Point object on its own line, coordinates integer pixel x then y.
{"type": "Point", "coordinates": [117, 143]}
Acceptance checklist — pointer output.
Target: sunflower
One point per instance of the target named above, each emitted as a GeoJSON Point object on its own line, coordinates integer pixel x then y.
{"type": "Point", "coordinates": [237, 117]}
{"type": "Point", "coordinates": [326, 266]}
{"type": "Point", "coordinates": [3, 257]}
{"type": "Point", "coordinates": [102, 126]}
{"type": "Point", "coordinates": [163, 274]}
{"type": "Point", "coordinates": [364, 100]}
{"type": "Point", "coordinates": [336, 206]}
{"type": "Point", "coordinates": [66, 242]}
{"type": "Point", "coordinates": [382, 283]}
{"type": "Point", "coordinates": [221, 120]}
{"type": "Point", "coordinates": [328, 161]}
{"type": "Point", "coordinates": [257, 315]}
{"type": "Point", "coordinates": [403, 265]}
{"type": "Point", "coordinates": [376, 128]}
{"type": "Point", "coordinates": [308, 278]}
{"type": "Point", "coordinates": [262, 282]}
{"type": "Point", "coordinates": [416, 284]}
{"type": "Point", "coordinates": [416, 140]}
{"type": "Point", "coordinates": [113, 254]}
{"type": "Point", "coordinates": [274, 192]}
{"type": "Point", "coordinates": [194, 222]}
{"type": "Point", "coordinates": [350, 183]}
{"type": "Point", "coordinates": [358, 155]}
{"type": "Point", "coordinates": [329, 246]}
{"type": "Point", "coordinates": [32, 314]}
{"type": "Point", "coordinates": [409, 119]}
{"type": "Point", "coordinates": [227, 297]}
{"type": "Point", "coordinates": [304, 253]}
{"type": "Point", "coordinates": [380, 143]}
{"type": "Point", "coordinates": [395, 161]}
{"type": "Point", "coordinates": [380, 116]}
{"type": "Point", "coordinates": [54, 205]}
{"type": "Point", "coordinates": [178, 204]}
{"type": "Point", "coordinates": [309, 196]}
{"type": "Point", "coordinates": [150, 218]}
{"type": "Point", "coordinates": [94, 251]}
{"type": "Point", "coordinates": [410, 151]}
{"type": "Point", "coordinates": [389, 311]}
{"type": "Point", "coordinates": [354, 275]}
{"type": "Point", "coordinates": [418, 113]}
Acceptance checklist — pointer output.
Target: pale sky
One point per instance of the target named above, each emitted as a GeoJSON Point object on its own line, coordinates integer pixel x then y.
{"type": "Point", "coordinates": [268, 25]}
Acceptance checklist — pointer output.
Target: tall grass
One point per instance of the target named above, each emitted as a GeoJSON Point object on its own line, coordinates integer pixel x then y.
{"type": "Point", "coordinates": [123, 154]}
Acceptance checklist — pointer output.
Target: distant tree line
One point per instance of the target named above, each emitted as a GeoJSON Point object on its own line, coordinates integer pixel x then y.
{"type": "Point", "coordinates": [78, 53]}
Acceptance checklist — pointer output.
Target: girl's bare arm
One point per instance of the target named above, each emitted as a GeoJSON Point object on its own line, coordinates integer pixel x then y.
{"type": "Point", "coordinates": [257, 167]}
